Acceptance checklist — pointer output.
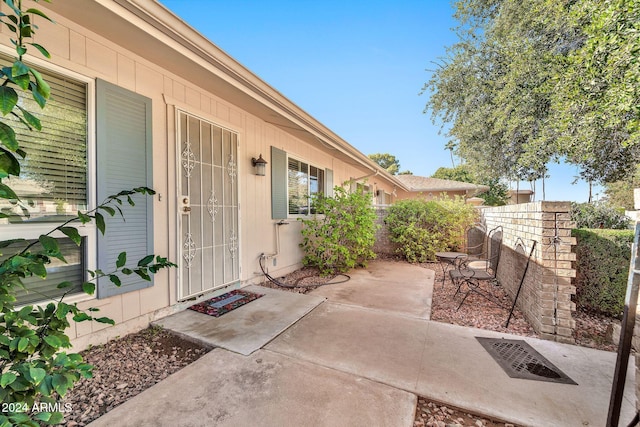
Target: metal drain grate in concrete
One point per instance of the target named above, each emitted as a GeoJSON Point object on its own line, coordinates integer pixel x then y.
{"type": "Point", "coordinates": [519, 360]}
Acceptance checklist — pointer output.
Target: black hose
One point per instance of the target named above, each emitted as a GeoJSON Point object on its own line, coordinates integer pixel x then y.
{"type": "Point", "coordinates": [295, 284]}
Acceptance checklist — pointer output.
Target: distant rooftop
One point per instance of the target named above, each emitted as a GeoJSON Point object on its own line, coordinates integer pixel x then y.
{"type": "Point", "coordinates": [423, 184]}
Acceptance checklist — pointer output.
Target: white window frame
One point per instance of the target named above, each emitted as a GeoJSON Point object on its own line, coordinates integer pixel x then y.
{"type": "Point", "coordinates": [89, 230]}
{"type": "Point", "coordinates": [322, 188]}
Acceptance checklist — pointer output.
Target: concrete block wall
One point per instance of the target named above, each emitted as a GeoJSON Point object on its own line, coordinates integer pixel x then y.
{"type": "Point", "coordinates": [546, 294]}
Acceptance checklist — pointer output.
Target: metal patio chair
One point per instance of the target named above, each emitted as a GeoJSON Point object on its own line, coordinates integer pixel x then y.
{"type": "Point", "coordinates": [470, 271]}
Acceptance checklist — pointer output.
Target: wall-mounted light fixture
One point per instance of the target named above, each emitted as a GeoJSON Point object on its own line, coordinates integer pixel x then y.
{"type": "Point", "coordinates": [259, 164]}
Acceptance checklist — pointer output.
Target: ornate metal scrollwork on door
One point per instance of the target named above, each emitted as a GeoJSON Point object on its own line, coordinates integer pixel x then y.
{"type": "Point", "coordinates": [212, 206]}
{"type": "Point", "coordinates": [232, 168]}
{"type": "Point", "coordinates": [188, 159]}
{"type": "Point", "coordinates": [188, 250]}
{"type": "Point", "coordinates": [233, 244]}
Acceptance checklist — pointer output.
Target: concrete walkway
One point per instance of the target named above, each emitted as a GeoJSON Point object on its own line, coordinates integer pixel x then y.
{"type": "Point", "coordinates": [356, 360]}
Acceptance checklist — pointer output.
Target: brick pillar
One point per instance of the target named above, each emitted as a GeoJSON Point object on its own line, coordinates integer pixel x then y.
{"type": "Point", "coordinates": [545, 298]}
{"type": "Point", "coordinates": [558, 272]}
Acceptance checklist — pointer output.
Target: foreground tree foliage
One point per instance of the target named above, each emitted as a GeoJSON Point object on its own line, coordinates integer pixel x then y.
{"type": "Point", "coordinates": [34, 371]}
{"type": "Point", "coordinates": [535, 81]}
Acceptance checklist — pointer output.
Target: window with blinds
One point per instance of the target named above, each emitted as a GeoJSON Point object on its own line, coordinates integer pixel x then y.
{"type": "Point", "coordinates": [304, 181]}
{"type": "Point", "coordinates": [39, 289]}
{"type": "Point", "coordinates": [52, 185]}
{"type": "Point", "coordinates": [53, 179]}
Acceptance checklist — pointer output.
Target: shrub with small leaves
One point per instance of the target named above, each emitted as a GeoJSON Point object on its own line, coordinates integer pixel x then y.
{"type": "Point", "coordinates": [341, 233]}
{"type": "Point", "coordinates": [421, 228]}
{"type": "Point", "coordinates": [598, 215]}
{"type": "Point", "coordinates": [602, 269]}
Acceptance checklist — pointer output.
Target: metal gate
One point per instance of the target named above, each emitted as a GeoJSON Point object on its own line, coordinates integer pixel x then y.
{"type": "Point", "coordinates": [208, 207]}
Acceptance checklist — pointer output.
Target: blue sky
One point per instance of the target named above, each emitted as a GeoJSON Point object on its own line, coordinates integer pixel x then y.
{"type": "Point", "coordinates": [356, 66]}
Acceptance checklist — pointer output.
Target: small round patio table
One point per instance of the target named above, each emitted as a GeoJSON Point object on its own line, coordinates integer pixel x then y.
{"type": "Point", "coordinates": [448, 258]}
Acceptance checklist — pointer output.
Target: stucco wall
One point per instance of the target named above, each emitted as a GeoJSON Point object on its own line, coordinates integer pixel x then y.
{"type": "Point", "coordinates": [79, 51]}
{"type": "Point", "coordinates": [546, 295]}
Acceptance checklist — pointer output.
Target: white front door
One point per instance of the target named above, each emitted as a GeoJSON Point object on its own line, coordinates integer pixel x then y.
{"type": "Point", "coordinates": [207, 206]}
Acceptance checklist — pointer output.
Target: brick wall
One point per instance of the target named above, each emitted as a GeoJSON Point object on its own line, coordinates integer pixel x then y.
{"type": "Point", "coordinates": [545, 297]}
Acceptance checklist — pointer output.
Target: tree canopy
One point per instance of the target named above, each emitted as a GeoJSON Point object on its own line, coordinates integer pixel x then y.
{"type": "Point", "coordinates": [496, 195]}
{"type": "Point", "coordinates": [387, 161]}
{"type": "Point", "coordinates": [534, 81]}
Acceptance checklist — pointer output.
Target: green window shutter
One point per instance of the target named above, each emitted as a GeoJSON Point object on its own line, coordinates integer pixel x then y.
{"type": "Point", "coordinates": [123, 132]}
{"type": "Point", "coordinates": [328, 176]}
{"type": "Point", "coordinates": [278, 184]}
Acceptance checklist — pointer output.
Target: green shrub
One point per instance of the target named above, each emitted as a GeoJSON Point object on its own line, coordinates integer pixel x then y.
{"type": "Point", "coordinates": [341, 233]}
{"type": "Point", "coordinates": [421, 228]}
{"type": "Point", "coordinates": [598, 215]}
{"type": "Point", "coordinates": [602, 269]}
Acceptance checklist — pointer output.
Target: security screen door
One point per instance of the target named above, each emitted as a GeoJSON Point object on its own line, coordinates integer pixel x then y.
{"type": "Point", "coordinates": [208, 206]}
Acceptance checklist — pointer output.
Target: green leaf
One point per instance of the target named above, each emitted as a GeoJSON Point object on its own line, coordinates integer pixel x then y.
{"type": "Point", "coordinates": [8, 137]}
{"type": "Point", "coordinates": [42, 50]}
{"type": "Point", "coordinates": [100, 222]}
{"type": "Point", "coordinates": [115, 280]}
{"type": "Point", "coordinates": [53, 341]}
{"type": "Point", "coordinates": [49, 244]}
{"type": "Point", "coordinates": [122, 260]}
{"type": "Point", "coordinates": [81, 317]}
{"type": "Point", "coordinates": [8, 99]}
{"type": "Point", "coordinates": [145, 261]}
{"type": "Point", "coordinates": [56, 418]}
{"type": "Point", "coordinates": [111, 211]}
{"type": "Point", "coordinates": [19, 69]}
{"type": "Point", "coordinates": [105, 320]}
{"type": "Point", "coordinates": [7, 378]}
{"type": "Point", "coordinates": [83, 217]}
{"type": "Point", "coordinates": [89, 288]}
{"type": "Point", "coordinates": [37, 375]}
{"type": "Point", "coordinates": [9, 165]}
{"type": "Point", "coordinates": [72, 233]}
{"type": "Point", "coordinates": [60, 382]}
{"type": "Point", "coordinates": [23, 343]}
{"type": "Point", "coordinates": [43, 416]}
{"type": "Point", "coordinates": [64, 284]}
{"type": "Point", "coordinates": [143, 274]}
{"type": "Point", "coordinates": [31, 119]}
{"type": "Point", "coordinates": [7, 193]}
{"type": "Point", "coordinates": [41, 100]}
{"type": "Point", "coordinates": [42, 87]}
{"type": "Point", "coordinates": [38, 269]}
{"type": "Point", "coordinates": [22, 81]}
{"type": "Point", "coordinates": [39, 13]}
{"type": "Point", "coordinates": [25, 311]}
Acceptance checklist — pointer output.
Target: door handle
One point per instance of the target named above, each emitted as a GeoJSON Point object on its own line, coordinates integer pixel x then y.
{"type": "Point", "coordinates": [186, 209]}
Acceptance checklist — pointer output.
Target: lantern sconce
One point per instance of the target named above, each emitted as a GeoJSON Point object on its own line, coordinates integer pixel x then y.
{"type": "Point", "coordinates": [259, 164]}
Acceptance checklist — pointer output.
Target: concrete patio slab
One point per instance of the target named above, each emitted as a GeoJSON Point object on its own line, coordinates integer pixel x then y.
{"type": "Point", "coordinates": [384, 286]}
{"type": "Point", "coordinates": [264, 389]}
{"type": "Point", "coordinates": [446, 363]}
{"type": "Point", "coordinates": [247, 328]}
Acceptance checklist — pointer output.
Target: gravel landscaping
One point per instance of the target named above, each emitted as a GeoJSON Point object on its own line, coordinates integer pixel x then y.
{"type": "Point", "coordinates": [126, 366]}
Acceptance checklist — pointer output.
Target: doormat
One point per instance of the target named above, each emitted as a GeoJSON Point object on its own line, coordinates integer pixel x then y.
{"type": "Point", "coordinates": [519, 360]}
{"type": "Point", "coordinates": [224, 303]}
